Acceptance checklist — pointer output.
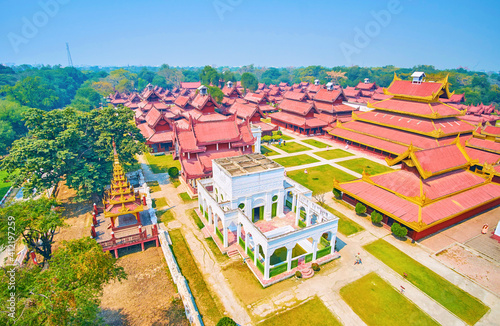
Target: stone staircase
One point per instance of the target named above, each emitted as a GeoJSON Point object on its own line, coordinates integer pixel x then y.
{"type": "Point", "coordinates": [206, 233]}
{"type": "Point", "coordinates": [306, 271]}
{"type": "Point", "coordinates": [233, 253]}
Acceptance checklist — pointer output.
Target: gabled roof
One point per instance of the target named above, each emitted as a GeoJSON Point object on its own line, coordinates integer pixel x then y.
{"type": "Point", "coordinates": [256, 98]}
{"type": "Point", "coordinates": [181, 101]}
{"type": "Point", "coordinates": [201, 100]}
{"type": "Point", "coordinates": [296, 96]}
{"type": "Point", "coordinates": [190, 85]}
{"type": "Point", "coordinates": [243, 111]}
{"type": "Point", "coordinates": [352, 92]}
{"type": "Point", "coordinates": [325, 95]}
{"type": "Point", "coordinates": [365, 86]}
{"type": "Point", "coordinates": [435, 161]}
{"type": "Point", "coordinates": [230, 90]}
{"type": "Point", "coordinates": [300, 108]}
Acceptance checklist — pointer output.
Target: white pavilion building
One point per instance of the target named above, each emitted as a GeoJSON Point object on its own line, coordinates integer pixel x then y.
{"type": "Point", "coordinates": [250, 202]}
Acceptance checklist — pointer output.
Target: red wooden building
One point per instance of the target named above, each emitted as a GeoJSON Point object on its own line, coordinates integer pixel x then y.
{"type": "Point", "coordinates": [298, 117]}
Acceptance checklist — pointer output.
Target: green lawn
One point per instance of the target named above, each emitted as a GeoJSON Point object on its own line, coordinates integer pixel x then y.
{"type": "Point", "coordinates": [292, 147]}
{"type": "Point", "coordinates": [196, 219]}
{"type": "Point", "coordinates": [285, 137]}
{"type": "Point", "coordinates": [333, 153]}
{"type": "Point", "coordinates": [4, 185]}
{"type": "Point", "coordinates": [204, 298]}
{"type": "Point", "coordinates": [370, 167]}
{"type": "Point", "coordinates": [161, 163]}
{"type": "Point", "coordinates": [315, 143]}
{"type": "Point", "coordinates": [377, 303]}
{"type": "Point", "coordinates": [221, 258]}
{"type": "Point", "coordinates": [159, 202]}
{"type": "Point", "coordinates": [153, 186]}
{"type": "Point", "coordinates": [456, 300]}
{"type": "Point", "coordinates": [296, 160]}
{"type": "Point", "coordinates": [267, 151]}
{"type": "Point", "coordinates": [312, 312]}
{"type": "Point", "coordinates": [319, 178]}
{"type": "Point", "coordinates": [165, 216]}
{"type": "Point", "coordinates": [175, 182]}
{"type": "Point", "coordinates": [186, 198]}
{"type": "Point", "coordinates": [346, 225]}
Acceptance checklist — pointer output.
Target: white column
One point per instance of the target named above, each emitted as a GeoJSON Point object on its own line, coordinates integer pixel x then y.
{"type": "Point", "coordinates": [238, 232]}
{"type": "Point", "coordinates": [256, 253]}
{"type": "Point", "coordinates": [315, 248]}
{"type": "Point", "coordinates": [308, 216]}
{"type": "Point", "coordinates": [268, 207]}
{"type": "Point", "coordinates": [294, 201]}
{"type": "Point", "coordinates": [247, 239]}
{"type": "Point", "coordinates": [289, 252]}
{"type": "Point", "coordinates": [224, 233]}
{"type": "Point", "coordinates": [281, 203]}
{"type": "Point", "coordinates": [209, 213]}
{"type": "Point", "coordinates": [266, 265]}
{"type": "Point", "coordinates": [297, 216]}
{"type": "Point", "coordinates": [332, 241]}
{"type": "Point", "coordinates": [216, 221]}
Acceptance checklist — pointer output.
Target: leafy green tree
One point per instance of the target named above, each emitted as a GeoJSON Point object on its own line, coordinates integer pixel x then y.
{"type": "Point", "coordinates": [228, 76]}
{"type": "Point", "coordinates": [190, 76]}
{"type": "Point", "coordinates": [73, 146]}
{"type": "Point", "coordinates": [33, 92]}
{"type": "Point", "coordinates": [398, 230]}
{"type": "Point", "coordinates": [216, 93]}
{"type": "Point", "coordinates": [35, 220]}
{"type": "Point", "coordinates": [360, 209]}
{"type": "Point", "coordinates": [337, 193]}
{"type": "Point", "coordinates": [86, 98]}
{"type": "Point", "coordinates": [209, 75]}
{"type": "Point", "coordinates": [266, 138]}
{"type": "Point", "coordinates": [272, 73]}
{"type": "Point", "coordinates": [226, 321]}
{"type": "Point", "coordinates": [376, 217]}
{"type": "Point", "coordinates": [249, 81]}
{"type": "Point", "coordinates": [11, 123]}
{"type": "Point", "coordinates": [66, 293]}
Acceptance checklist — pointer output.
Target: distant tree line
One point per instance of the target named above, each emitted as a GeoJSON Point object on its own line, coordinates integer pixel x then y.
{"type": "Point", "coordinates": [55, 87]}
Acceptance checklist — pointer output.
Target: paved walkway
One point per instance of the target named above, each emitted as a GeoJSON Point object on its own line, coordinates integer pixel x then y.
{"type": "Point", "coordinates": [199, 248]}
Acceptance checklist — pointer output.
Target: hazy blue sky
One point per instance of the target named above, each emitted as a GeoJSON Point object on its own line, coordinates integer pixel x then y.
{"type": "Point", "coordinates": [447, 34]}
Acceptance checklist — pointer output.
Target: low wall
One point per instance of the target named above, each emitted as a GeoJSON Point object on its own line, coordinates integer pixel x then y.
{"type": "Point", "coordinates": [192, 312]}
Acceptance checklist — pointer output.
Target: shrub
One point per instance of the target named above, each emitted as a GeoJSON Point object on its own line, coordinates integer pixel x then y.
{"type": "Point", "coordinates": [337, 193]}
{"type": "Point", "coordinates": [376, 217]}
{"type": "Point", "coordinates": [315, 267]}
{"type": "Point", "coordinates": [279, 132]}
{"type": "Point", "coordinates": [266, 139]}
{"type": "Point", "coordinates": [298, 274]}
{"type": "Point", "coordinates": [226, 321]}
{"type": "Point", "coordinates": [360, 209]}
{"type": "Point", "coordinates": [173, 172]}
{"type": "Point", "coordinates": [398, 230]}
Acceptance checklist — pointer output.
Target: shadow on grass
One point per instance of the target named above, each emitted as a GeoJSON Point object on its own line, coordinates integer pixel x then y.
{"type": "Point", "coordinates": [114, 317]}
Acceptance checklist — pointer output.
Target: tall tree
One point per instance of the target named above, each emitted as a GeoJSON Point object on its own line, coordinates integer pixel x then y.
{"type": "Point", "coordinates": [249, 81]}
{"type": "Point", "coordinates": [67, 293]}
{"type": "Point", "coordinates": [35, 220]}
{"type": "Point", "coordinates": [216, 93]}
{"type": "Point", "coordinates": [33, 92]}
{"type": "Point", "coordinates": [74, 146]}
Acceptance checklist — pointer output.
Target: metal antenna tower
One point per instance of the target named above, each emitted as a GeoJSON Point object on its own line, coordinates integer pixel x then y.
{"type": "Point", "coordinates": [70, 61]}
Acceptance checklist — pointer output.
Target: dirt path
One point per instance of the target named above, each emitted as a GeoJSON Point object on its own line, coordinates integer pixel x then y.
{"type": "Point", "coordinates": [147, 297]}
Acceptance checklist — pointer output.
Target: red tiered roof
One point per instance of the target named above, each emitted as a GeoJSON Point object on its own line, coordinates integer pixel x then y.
{"type": "Point", "coordinates": [421, 109]}
{"type": "Point", "coordinates": [408, 88]}
{"type": "Point", "coordinates": [449, 126]}
{"type": "Point", "coordinates": [438, 159]}
{"type": "Point", "coordinates": [366, 86]}
{"type": "Point", "coordinates": [256, 98]}
{"type": "Point", "coordinates": [243, 111]}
